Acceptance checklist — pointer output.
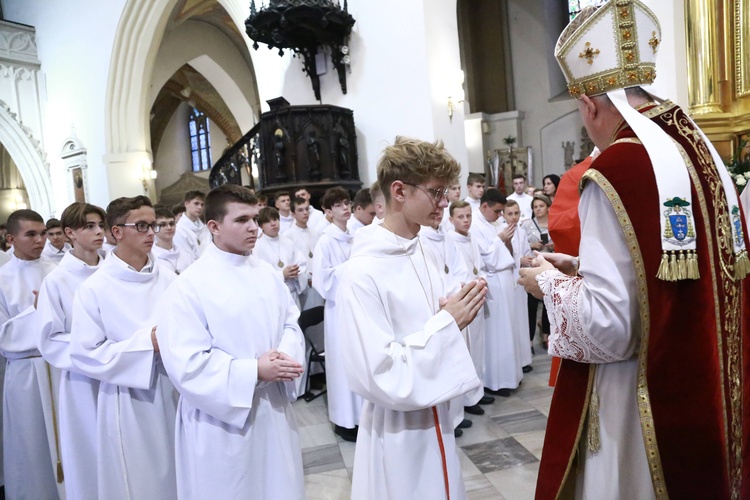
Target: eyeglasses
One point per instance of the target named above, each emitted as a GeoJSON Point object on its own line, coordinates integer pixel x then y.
{"type": "Point", "coordinates": [437, 194]}
{"type": "Point", "coordinates": [142, 227]}
{"type": "Point", "coordinates": [342, 204]}
{"type": "Point", "coordinates": [166, 224]}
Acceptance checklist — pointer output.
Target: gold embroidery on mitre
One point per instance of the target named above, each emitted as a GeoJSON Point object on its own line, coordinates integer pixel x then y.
{"type": "Point", "coordinates": [654, 42]}
{"type": "Point", "coordinates": [590, 29]}
{"type": "Point", "coordinates": [589, 53]}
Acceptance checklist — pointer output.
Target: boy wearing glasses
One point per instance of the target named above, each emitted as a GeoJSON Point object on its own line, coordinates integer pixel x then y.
{"type": "Point", "coordinates": [27, 407]}
{"type": "Point", "coordinates": [83, 224]}
{"type": "Point", "coordinates": [164, 250]}
{"type": "Point", "coordinates": [331, 252]}
{"type": "Point", "coordinates": [404, 352]}
{"type": "Point", "coordinates": [113, 340]}
{"type": "Point", "coordinates": [233, 348]}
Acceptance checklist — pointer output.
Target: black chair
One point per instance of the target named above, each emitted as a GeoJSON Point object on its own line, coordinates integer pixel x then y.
{"type": "Point", "coordinates": [308, 318]}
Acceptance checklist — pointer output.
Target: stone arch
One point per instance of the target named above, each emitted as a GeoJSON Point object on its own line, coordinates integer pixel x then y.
{"type": "Point", "coordinates": [29, 159]}
{"type": "Point", "coordinates": [137, 41]}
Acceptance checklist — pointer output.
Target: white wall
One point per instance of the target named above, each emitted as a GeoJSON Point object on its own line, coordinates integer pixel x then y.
{"type": "Point", "coordinates": [396, 85]}
{"type": "Point", "coordinates": [671, 61]}
{"type": "Point", "coordinates": [74, 45]}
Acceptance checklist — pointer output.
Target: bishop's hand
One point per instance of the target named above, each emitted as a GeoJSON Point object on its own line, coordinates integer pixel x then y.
{"type": "Point", "coordinates": [528, 275]}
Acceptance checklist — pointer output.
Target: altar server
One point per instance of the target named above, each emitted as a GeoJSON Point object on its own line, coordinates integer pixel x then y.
{"type": "Point", "coordinates": [502, 363]}
{"type": "Point", "coordinates": [56, 246]}
{"type": "Point", "coordinates": [305, 238]}
{"type": "Point", "coordinates": [164, 248]}
{"type": "Point", "coordinates": [113, 341]}
{"type": "Point", "coordinates": [28, 438]}
{"type": "Point", "coordinates": [232, 346]}
{"type": "Point", "coordinates": [280, 253]}
{"type": "Point", "coordinates": [334, 246]}
{"type": "Point", "coordinates": [403, 351]}
{"type": "Point", "coordinates": [192, 236]}
{"type": "Point", "coordinates": [83, 224]}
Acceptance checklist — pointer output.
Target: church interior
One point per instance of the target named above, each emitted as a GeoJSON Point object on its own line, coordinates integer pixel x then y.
{"type": "Point", "coordinates": [100, 100]}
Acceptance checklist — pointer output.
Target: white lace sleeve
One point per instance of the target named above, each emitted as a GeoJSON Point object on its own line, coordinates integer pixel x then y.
{"type": "Point", "coordinates": [568, 336]}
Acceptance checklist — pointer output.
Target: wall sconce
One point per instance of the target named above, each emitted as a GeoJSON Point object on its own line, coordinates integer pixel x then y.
{"type": "Point", "coordinates": [147, 174]}
{"type": "Point", "coordinates": [460, 96]}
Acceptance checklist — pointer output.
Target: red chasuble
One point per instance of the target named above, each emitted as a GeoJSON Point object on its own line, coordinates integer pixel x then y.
{"type": "Point", "coordinates": [694, 402]}
{"type": "Point", "coordinates": [565, 227]}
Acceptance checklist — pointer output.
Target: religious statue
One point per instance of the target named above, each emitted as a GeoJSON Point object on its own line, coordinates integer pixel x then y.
{"type": "Point", "coordinates": [344, 169]}
{"type": "Point", "coordinates": [278, 149]}
{"type": "Point", "coordinates": [313, 156]}
{"type": "Point", "coordinates": [569, 148]}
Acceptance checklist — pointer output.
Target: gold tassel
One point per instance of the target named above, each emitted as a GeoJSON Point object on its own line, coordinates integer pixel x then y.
{"type": "Point", "coordinates": [672, 266]}
{"type": "Point", "coordinates": [682, 272]}
{"type": "Point", "coordinates": [693, 272]}
{"type": "Point", "coordinates": [593, 437]}
{"type": "Point", "coordinates": [663, 272]}
{"type": "Point", "coordinates": [742, 266]}
{"type": "Point", "coordinates": [60, 475]}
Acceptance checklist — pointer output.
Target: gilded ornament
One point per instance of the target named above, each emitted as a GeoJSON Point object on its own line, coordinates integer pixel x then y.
{"type": "Point", "coordinates": [589, 53]}
{"type": "Point", "coordinates": [654, 42]}
{"type": "Point", "coordinates": [592, 86]}
{"type": "Point", "coordinates": [627, 35]}
{"type": "Point", "coordinates": [624, 12]}
{"type": "Point", "coordinates": [632, 76]}
{"type": "Point", "coordinates": [629, 56]}
{"type": "Point", "coordinates": [611, 81]}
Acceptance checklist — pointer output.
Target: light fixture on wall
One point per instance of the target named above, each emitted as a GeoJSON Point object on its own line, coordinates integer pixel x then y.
{"type": "Point", "coordinates": [148, 174]}
{"type": "Point", "coordinates": [458, 92]}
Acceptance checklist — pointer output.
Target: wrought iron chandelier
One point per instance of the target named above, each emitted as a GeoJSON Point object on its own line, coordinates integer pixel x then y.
{"type": "Point", "coordinates": [304, 26]}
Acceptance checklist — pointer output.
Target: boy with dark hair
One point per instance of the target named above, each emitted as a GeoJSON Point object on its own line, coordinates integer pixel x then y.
{"type": "Point", "coordinates": [283, 202]}
{"type": "Point", "coordinates": [113, 340]}
{"type": "Point", "coordinates": [56, 246]}
{"type": "Point", "coordinates": [331, 252]}
{"type": "Point", "coordinates": [83, 224]}
{"type": "Point", "coordinates": [233, 349]}
{"type": "Point", "coordinates": [403, 348]}
{"type": "Point", "coordinates": [164, 249]}
{"type": "Point", "coordinates": [192, 236]}
{"type": "Point", "coordinates": [502, 366]}
{"type": "Point", "coordinates": [262, 201]}
{"type": "Point", "coordinates": [28, 440]}
{"type": "Point", "coordinates": [317, 220]}
{"type": "Point", "coordinates": [519, 195]}
{"type": "Point", "coordinates": [475, 185]}
{"type": "Point", "coordinates": [363, 211]}
{"type": "Point", "coordinates": [279, 252]}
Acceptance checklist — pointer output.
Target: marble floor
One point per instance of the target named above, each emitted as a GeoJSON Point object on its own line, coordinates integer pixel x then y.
{"type": "Point", "coordinates": [499, 454]}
